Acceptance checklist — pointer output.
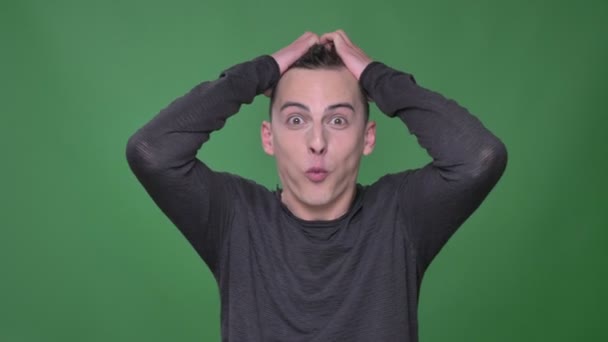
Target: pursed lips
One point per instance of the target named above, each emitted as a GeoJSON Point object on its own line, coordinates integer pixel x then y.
{"type": "Point", "coordinates": [316, 174]}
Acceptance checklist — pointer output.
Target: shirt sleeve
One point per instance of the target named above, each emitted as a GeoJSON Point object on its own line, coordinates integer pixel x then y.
{"type": "Point", "coordinates": [162, 154]}
{"type": "Point", "coordinates": [468, 159]}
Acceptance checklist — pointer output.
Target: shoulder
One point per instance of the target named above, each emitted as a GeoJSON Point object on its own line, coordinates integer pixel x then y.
{"type": "Point", "coordinates": [390, 183]}
{"type": "Point", "coordinates": [246, 189]}
{"type": "Point", "coordinates": [388, 189]}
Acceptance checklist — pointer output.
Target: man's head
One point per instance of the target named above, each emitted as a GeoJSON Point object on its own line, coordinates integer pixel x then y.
{"type": "Point", "coordinates": [318, 58]}
{"type": "Point", "coordinates": [318, 131]}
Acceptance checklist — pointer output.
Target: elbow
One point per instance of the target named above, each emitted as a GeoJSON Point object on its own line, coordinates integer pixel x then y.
{"type": "Point", "coordinates": [491, 162]}
{"type": "Point", "coordinates": [140, 154]}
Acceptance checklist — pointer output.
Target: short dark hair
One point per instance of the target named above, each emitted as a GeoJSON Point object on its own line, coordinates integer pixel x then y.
{"type": "Point", "coordinates": [320, 57]}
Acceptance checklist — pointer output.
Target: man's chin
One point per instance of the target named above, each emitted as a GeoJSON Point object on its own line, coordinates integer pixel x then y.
{"type": "Point", "coordinates": [317, 199]}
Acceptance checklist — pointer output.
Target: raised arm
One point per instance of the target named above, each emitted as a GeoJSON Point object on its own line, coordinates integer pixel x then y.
{"type": "Point", "coordinates": [162, 153]}
{"type": "Point", "coordinates": [468, 160]}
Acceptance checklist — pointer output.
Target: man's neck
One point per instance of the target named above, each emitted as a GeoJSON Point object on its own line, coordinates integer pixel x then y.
{"type": "Point", "coordinates": [328, 212]}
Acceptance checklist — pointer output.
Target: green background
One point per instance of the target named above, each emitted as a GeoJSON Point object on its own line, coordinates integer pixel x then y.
{"type": "Point", "coordinates": [86, 256]}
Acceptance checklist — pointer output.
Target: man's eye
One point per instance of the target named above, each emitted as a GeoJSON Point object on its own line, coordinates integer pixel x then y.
{"type": "Point", "coordinates": [338, 121]}
{"type": "Point", "coordinates": [295, 120]}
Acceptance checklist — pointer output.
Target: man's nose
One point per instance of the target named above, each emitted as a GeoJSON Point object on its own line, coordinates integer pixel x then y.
{"type": "Point", "coordinates": [317, 141]}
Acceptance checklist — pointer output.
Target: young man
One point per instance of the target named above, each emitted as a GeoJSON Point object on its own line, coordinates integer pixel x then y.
{"type": "Point", "coordinates": [324, 258]}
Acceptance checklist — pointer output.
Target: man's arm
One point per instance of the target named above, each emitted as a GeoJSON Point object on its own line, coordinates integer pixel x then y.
{"type": "Point", "coordinates": [162, 153]}
{"type": "Point", "coordinates": [468, 160]}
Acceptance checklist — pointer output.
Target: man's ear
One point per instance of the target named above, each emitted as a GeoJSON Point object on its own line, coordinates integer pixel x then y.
{"type": "Point", "coordinates": [370, 138]}
{"type": "Point", "coordinates": [266, 133]}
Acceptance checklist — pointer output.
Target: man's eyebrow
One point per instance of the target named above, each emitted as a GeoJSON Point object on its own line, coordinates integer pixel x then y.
{"type": "Point", "coordinates": [294, 104]}
{"type": "Point", "coordinates": [341, 105]}
{"type": "Point", "coordinates": [332, 107]}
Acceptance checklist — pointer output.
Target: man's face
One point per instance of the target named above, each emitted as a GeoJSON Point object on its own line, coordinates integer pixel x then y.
{"type": "Point", "coordinates": [318, 134]}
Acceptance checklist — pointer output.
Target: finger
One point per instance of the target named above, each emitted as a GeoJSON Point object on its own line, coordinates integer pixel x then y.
{"type": "Point", "coordinates": [306, 35]}
{"type": "Point", "coordinates": [354, 48]}
{"type": "Point", "coordinates": [310, 36]}
{"type": "Point", "coordinates": [310, 40]}
{"type": "Point", "coordinates": [338, 34]}
{"type": "Point", "coordinates": [334, 38]}
{"type": "Point", "coordinates": [327, 37]}
{"type": "Point", "coordinates": [290, 53]}
{"type": "Point", "coordinates": [342, 34]}
{"type": "Point", "coordinates": [314, 39]}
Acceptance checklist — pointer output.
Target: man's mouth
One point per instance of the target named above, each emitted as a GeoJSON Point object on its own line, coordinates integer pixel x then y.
{"type": "Point", "coordinates": [316, 174]}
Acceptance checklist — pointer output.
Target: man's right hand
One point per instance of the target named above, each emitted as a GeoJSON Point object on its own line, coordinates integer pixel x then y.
{"type": "Point", "coordinates": [353, 57]}
{"type": "Point", "coordinates": [289, 54]}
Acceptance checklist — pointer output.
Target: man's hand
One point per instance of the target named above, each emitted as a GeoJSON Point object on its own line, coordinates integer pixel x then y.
{"type": "Point", "coordinates": [353, 57]}
{"type": "Point", "coordinates": [289, 54]}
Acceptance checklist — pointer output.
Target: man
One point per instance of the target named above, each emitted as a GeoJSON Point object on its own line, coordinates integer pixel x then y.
{"type": "Point", "coordinates": [323, 258]}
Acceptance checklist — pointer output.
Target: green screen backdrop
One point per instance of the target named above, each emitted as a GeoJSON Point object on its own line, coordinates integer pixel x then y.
{"type": "Point", "coordinates": [85, 255]}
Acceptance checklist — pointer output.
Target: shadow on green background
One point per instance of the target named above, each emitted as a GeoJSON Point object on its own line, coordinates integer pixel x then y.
{"type": "Point", "coordinates": [86, 255]}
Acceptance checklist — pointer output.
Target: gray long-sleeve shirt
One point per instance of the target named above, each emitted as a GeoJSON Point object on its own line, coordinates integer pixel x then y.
{"type": "Point", "coordinates": [355, 278]}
